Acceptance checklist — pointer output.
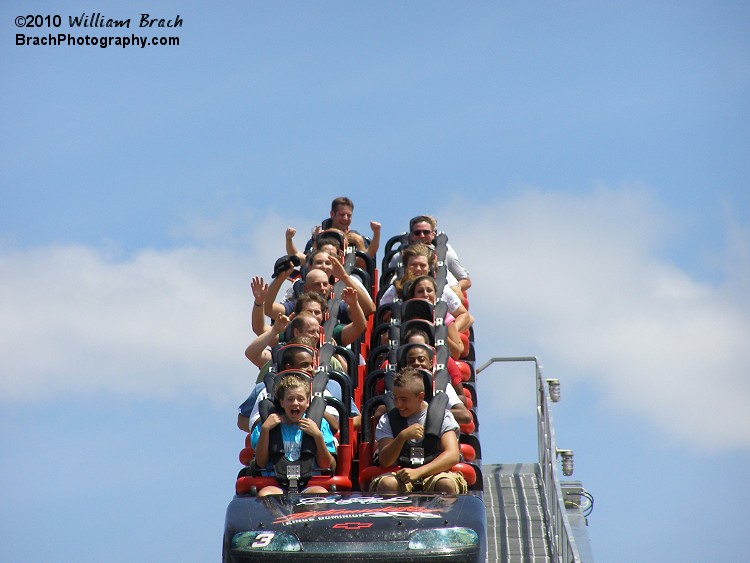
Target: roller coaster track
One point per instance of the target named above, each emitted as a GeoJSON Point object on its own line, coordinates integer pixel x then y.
{"type": "Point", "coordinates": [529, 510]}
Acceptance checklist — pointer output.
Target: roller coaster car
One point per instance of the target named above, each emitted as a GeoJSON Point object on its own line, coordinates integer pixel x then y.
{"type": "Point", "coordinates": [355, 526]}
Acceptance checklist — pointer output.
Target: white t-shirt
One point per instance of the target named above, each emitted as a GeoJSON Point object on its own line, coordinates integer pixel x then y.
{"type": "Point", "coordinates": [383, 429]}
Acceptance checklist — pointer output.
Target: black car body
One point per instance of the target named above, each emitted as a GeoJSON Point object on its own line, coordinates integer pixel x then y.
{"type": "Point", "coordinates": [357, 527]}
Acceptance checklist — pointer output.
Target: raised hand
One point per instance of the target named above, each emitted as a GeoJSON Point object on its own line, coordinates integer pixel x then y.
{"type": "Point", "coordinates": [260, 289]}
{"type": "Point", "coordinates": [349, 295]}
{"type": "Point", "coordinates": [282, 323]}
{"type": "Point", "coordinates": [338, 270]}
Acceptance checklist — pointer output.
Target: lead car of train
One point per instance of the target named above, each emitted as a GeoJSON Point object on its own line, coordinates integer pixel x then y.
{"type": "Point", "coordinates": [349, 522]}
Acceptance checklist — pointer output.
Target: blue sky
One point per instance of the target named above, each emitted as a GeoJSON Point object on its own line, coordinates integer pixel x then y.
{"type": "Point", "coordinates": [585, 159]}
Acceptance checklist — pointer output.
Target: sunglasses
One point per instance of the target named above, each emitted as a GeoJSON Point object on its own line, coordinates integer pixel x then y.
{"type": "Point", "coordinates": [421, 232]}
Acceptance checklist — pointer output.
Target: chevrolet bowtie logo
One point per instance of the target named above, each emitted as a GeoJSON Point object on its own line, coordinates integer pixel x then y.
{"type": "Point", "coordinates": [352, 525]}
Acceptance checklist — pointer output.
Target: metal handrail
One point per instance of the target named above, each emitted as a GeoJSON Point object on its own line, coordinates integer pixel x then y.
{"type": "Point", "coordinates": [562, 541]}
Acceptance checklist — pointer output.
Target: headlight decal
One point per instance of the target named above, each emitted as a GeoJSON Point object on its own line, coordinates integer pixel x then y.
{"type": "Point", "coordinates": [443, 538]}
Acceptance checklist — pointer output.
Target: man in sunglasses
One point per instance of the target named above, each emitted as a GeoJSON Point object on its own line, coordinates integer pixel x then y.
{"type": "Point", "coordinates": [423, 228]}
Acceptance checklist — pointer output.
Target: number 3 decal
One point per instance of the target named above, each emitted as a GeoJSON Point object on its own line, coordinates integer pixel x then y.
{"type": "Point", "coordinates": [263, 539]}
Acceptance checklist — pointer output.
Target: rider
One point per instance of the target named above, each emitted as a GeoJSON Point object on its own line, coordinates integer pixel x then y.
{"type": "Point", "coordinates": [290, 424]}
{"type": "Point", "coordinates": [432, 472]}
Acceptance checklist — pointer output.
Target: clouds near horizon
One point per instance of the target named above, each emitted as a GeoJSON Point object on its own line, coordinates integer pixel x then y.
{"type": "Point", "coordinates": [586, 282]}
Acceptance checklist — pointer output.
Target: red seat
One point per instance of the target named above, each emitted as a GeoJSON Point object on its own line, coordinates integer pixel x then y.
{"type": "Point", "coordinates": [465, 341]}
{"type": "Point", "coordinates": [370, 472]}
{"type": "Point", "coordinates": [246, 456]}
{"type": "Point", "coordinates": [465, 370]}
{"type": "Point", "coordinates": [244, 485]}
{"type": "Point", "coordinates": [467, 452]}
{"type": "Point", "coordinates": [341, 479]}
{"type": "Point", "coordinates": [468, 472]}
{"type": "Point", "coordinates": [468, 428]}
{"type": "Point", "coordinates": [467, 394]}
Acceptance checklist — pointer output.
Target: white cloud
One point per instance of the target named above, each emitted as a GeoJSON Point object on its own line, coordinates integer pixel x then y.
{"type": "Point", "coordinates": [81, 320]}
{"type": "Point", "coordinates": [76, 320]}
{"type": "Point", "coordinates": [581, 281]}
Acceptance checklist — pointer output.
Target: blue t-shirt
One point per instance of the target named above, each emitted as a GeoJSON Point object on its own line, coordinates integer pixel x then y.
{"type": "Point", "coordinates": [292, 436]}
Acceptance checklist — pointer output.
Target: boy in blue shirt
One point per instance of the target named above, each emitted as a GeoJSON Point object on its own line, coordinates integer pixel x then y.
{"type": "Point", "coordinates": [293, 392]}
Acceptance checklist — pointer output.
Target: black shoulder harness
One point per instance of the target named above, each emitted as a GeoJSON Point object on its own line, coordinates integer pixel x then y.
{"type": "Point", "coordinates": [294, 475]}
{"type": "Point", "coordinates": [414, 454]}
